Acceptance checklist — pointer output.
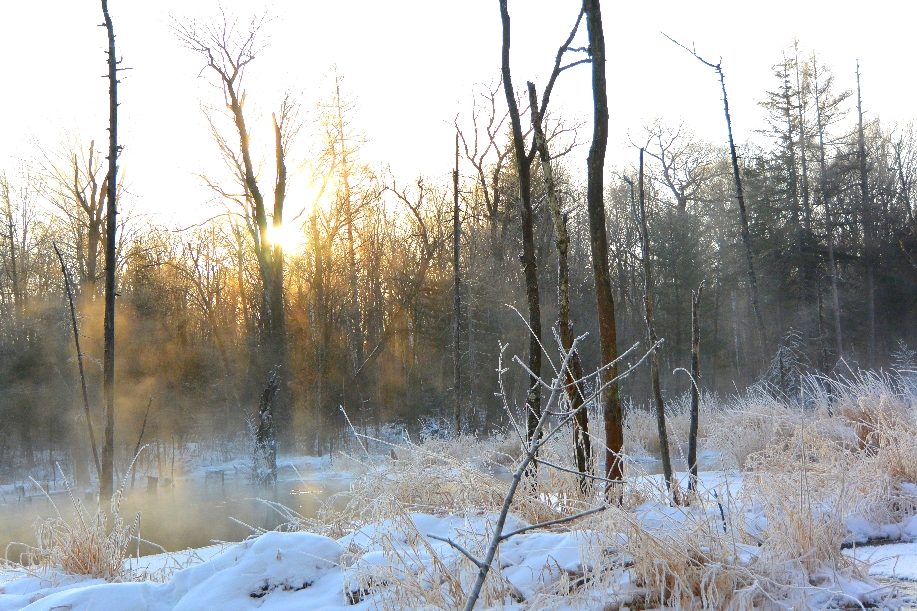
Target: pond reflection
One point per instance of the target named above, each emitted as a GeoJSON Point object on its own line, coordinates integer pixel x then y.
{"type": "Point", "coordinates": [187, 513]}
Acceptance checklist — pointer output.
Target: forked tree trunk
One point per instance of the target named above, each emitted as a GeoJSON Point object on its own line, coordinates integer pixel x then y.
{"type": "Point", "coordinates": [608, 339]}
{"type": "Point", "coordinates": [107, 481]}
{"type": "Point", "coordinates": [582, 447]}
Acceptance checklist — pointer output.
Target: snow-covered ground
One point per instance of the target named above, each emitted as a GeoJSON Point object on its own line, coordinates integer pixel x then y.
{"type": "Point", "coordinates": [394, 564]}
{"type": "Point", "coordinates": [287, 571]}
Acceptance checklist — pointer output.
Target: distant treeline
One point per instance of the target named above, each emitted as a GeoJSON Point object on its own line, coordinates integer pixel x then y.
{"type": "Point", "coordinates": [368, 305]}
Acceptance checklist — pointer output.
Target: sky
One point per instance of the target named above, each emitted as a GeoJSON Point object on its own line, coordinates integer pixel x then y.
{"type": "Point", "coordinates": [411, 66]}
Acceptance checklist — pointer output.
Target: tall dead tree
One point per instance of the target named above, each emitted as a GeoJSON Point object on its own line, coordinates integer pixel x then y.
{"type": "Point", "coordinates": [457, 297]}
{"type": "Point", "coordinates": [695, 389]}
{"type": "Point", "coordinates": [651, 331]}
{"type": "Point", "coordinates": [868, 229]}
{"type": "Point", "coordinates": [582, 447]}
{"type": "Point", "coordinates": [523, 166]}
{"type": "Point", "coordinates": [595, 185]}
{"type": "Point", "coordinates": [740, 199]}
{"type": "Point", "coordinates": [228, 50]}
{"type": "Point", "coordinates": [107, 481]}
{"type": "Point", "coordinates": [79, 358]}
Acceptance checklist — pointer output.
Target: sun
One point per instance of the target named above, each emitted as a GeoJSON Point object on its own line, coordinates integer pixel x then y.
{"type": "Point", "coordinates": [290, 237]}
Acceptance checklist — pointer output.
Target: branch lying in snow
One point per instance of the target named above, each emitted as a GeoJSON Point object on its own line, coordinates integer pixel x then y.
{"type": "Point", "coordinates": [461, 549]}
{"type": "Point", "coordinates": [572, 518]}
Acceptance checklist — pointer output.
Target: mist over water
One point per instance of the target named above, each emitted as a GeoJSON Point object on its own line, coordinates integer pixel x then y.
{"type": "Point", "coordinates": [192, 513]}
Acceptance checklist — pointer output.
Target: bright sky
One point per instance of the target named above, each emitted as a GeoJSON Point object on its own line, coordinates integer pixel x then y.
{"type": "Point", "coordinates": [412, 65]}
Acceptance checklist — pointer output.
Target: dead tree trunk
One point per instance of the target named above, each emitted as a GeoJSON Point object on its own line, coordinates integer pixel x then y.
{"type": "Point", "coordinates": [228, 57]}
{"type": "Point", "coordinates": [582, 447]}
{"type": "Point", "coordinates": [651, 334]}
{"type": "Point", "coordinates": [457, 300]}
{"type": "Point", "coordinates": [265, 459]}
{"type": "Point", "coordinates": [868, 230]}
{"type": "Point", "coordinates": [608, 339]}
{"type": "Point", "coordinates": [740, 198]}
{"type": "Point", "coordinates": [79, 358]}
{"type": "Point", "coordinates": [533, 399]}
{"type": "Point", "coordinates": [695, 390]}
{"type": "Point", "coordinates": [107, 481]}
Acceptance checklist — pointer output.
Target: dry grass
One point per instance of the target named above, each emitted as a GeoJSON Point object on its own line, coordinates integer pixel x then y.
{"type": "Point", "coordinates": [641, 436]}
{"type": "Point", "coordinates": [86, 545]}
{"type": "Point", "coordinates": [773, 544]}
{"type": "Point", "coordinates": [413, 574]}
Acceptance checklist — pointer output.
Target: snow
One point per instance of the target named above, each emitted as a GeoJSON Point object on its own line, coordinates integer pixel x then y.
{"type": "Point", "coordinates": [275, 572]}
{"type": "Point", "coordinates": [280, 571]}
{"type": "Point", "coordinates": [897, 560]}
{"type": "Point", "coordinates": [286, 571]}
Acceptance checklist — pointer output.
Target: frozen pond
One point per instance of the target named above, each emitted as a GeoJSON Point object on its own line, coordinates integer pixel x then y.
{"type": "Point", "coordinates": [191, 513]}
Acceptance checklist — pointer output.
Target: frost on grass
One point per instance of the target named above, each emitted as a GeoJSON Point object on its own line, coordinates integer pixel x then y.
{"type": "Point", "coordinates": [768, 535]}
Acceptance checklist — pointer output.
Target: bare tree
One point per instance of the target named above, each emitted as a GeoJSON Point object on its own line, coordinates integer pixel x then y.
{"type": "Point", "coordinates": [78, 188]}
{"type": "Point", "coordinates": [107, 482]}
{"type": "Point", "coordinates": [228, 50]}
{"type": "Point", "coordinates": [484, 116]}
{"type": "Point", "coordinates": [868, 229]}
{"type": "Point", "coordinates": [595, 187]}
{"type": "Point", "coordinates": [457, 296]}
{"type": "Point", "coordinates": [688, 166]}
{"type": "Point", "coordinates": [740, 198]}
{"type": "Point", "coordinates": [646, 256]}
{"type": "Point", "coordinates": [582, 447]}
{"type": "Point", "coordinates": [523, 166]}
{"type": "Point", "coordinates": [695, 389]}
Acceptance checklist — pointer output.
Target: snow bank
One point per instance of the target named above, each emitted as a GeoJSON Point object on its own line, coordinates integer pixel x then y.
{"type": "Point", "coordinates": [276, 571]}
{"type": "Point", "coordinates": [365, 569]}
{"type": "Point", "coordinates": [286, 571]}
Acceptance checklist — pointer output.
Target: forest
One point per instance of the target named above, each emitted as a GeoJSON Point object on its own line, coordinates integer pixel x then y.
{"type": "Point", "coordinates": [374, 308]}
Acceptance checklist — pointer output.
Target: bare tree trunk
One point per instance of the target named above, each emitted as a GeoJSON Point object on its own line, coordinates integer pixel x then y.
{"type": "Point", "coordinates": [695, 390]}
{"type": "Point", "coordinates": [107, 481]}
{"type": "Point", "coordinates": [743, 218]}
{"type": "Point", "coordinates": [266, 435]}
{"type": "Point", "coordinates": [608, 339]}
{"type": "Point", "coordinates": [651, 334]}
{"type": "Point", "coordinates": [281, 405]}
{"type": "Point", "coordinates": [740, 198]}
{"type": "Point", "coordinates": [79, 358]}
{"type": "Point", "coordinates": [457, 303]}
{"type": "Point", "coordinates": [582, 447]}
{"type": "Point", "coordinates": [868, 229]}
{"type": "Point", "coordinates": [533, 399]}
